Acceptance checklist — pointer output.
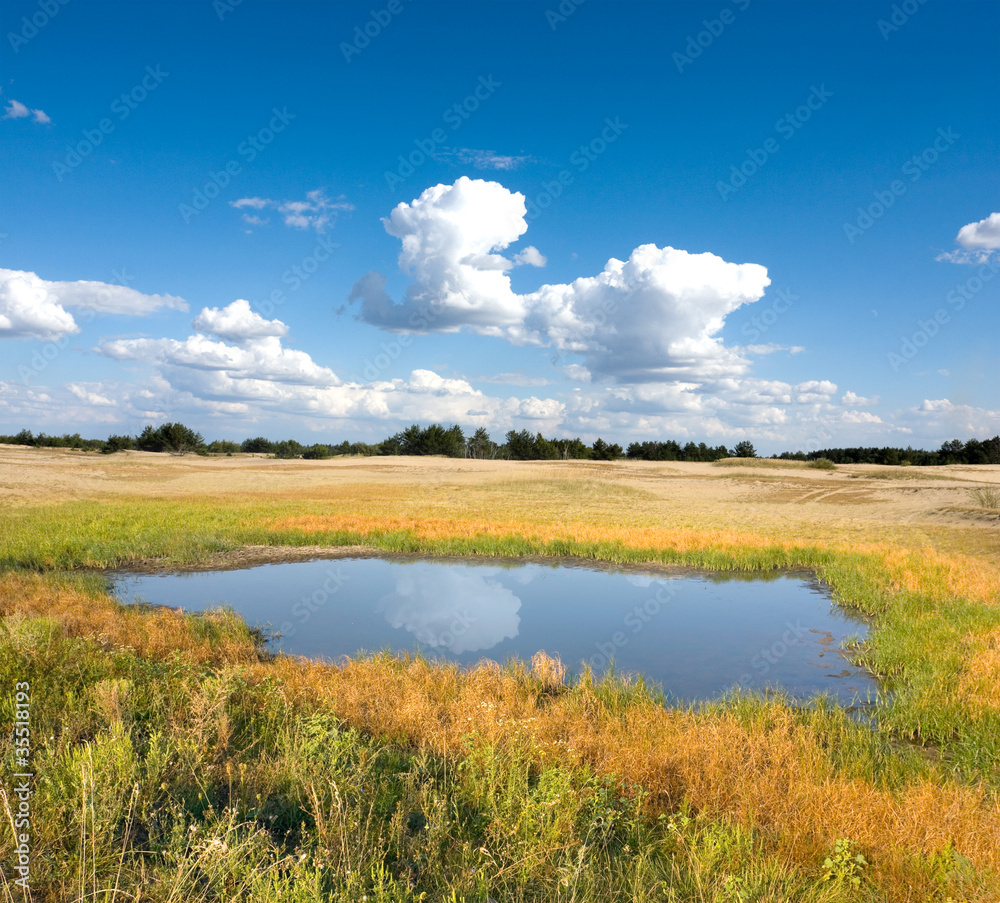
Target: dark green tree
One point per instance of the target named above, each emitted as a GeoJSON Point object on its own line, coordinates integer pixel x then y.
{"type": "Point", "coordinates": [481, 445]}
{"type": "Point", "coordinates": [259, 446]}
{"type": "Point", "coordinates": [117, 444]}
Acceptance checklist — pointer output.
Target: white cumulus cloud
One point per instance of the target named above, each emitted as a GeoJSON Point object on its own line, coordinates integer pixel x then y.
{"type": "Point", "coordinates": [984, 234]}
{"type": "Point", "coordinates": [531, 256]}
{"type": "Point", "coordinates": [860, 417]}
{"type": "Point", "coordinates": [979, 241]}
{"type": "Point", "coordinates": [236, 364]}
{"type": "Point", "coordinates": [815, 391]}
{"type": "Point", "coordinates": [32, 307]}
{"type": "Point", "coordinates": [656, 316]}
{"type": "Point", "coordinates": [852, 400]}
{"type": "Point", "coordinates": [29, 311]}
{"type": "Point", "coordinates": [237, 323]}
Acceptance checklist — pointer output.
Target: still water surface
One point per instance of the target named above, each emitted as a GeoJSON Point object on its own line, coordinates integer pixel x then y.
{"type": "Point", "coordinates": [695, 635]}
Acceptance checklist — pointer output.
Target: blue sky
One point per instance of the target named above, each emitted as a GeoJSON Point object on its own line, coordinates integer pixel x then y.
{"type": "Point", "coordinates": [633, 220]}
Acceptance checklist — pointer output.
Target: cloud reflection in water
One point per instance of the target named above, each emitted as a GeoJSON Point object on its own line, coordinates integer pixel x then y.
{"type": "Point", "coordinates": [457, 610]}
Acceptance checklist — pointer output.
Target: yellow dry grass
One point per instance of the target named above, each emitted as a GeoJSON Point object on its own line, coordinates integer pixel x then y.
{"type": "Point", "coordinates": [775, 777]}
{"type": "Point", "coordinates": [154, 633]}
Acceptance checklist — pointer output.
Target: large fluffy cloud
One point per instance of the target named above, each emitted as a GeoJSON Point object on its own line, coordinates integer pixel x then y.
{"type": "Point", "coordinates": [28, 311]}
{"type": "Point", "coordinates": [451, 235]}
{"type": "Point", "coordinates": [656, 316]}
{"type": "Point", "coordinates": [32, 307]}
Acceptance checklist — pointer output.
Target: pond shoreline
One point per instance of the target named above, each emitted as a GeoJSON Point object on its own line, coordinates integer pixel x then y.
{"type": "Point", "coordinates": [257, 555]}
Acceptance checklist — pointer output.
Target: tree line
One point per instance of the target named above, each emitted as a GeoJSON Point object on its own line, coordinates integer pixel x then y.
{"type": "Point", "coordinates": [451, 441]}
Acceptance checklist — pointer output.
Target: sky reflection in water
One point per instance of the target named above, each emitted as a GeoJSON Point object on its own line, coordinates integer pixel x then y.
{"type": "Point", "coordinates": [696, 635]}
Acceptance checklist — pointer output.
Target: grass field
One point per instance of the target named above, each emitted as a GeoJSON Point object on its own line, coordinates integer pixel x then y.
{"type": "Point", "coordinates": [174, 759]}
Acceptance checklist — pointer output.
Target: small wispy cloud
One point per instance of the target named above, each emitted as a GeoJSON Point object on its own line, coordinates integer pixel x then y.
{"type": "Point", "coordinates": [772, 348]}
{"type": "Point", "coordinates": [17, 110]}
{"type": "Point", "coordinates": [514, 379]}
{"type": "Point", "coordinates": [483, 159]}
{"type": "Point", "coordinates": [255, 203]}
{"type": "Point", "coordinates": [530, 256]}
{"type": "Point", "coordinates": [316, 212]}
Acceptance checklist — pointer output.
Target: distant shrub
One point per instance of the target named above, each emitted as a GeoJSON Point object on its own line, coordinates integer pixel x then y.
{"type": "Point", "coordinates": [258, 446]}
{"type": "Point", "coordinates": [317, 452]}
{"type": "Point", "coordinates": [822, 464]}
{"type": "Point", "coordinates": [118, 443]}
{"type": "Point", "coordinates": [223, 447]}
{"type": "Point", "coordinates": [743, 449]}
{"type": "Point", "coordinates": [289, 448]}
{"type": "Point", "coordinates": [174, 438]}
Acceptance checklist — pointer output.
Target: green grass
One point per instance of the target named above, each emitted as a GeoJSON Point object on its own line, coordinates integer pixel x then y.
{"type": "Point", "coordinates": [199, 783]}
{"type": "Point", "coordinates": [202, 780]}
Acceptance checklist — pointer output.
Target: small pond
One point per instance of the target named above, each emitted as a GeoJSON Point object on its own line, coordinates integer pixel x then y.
{"type": "Point", "coordinates": [696, 635]}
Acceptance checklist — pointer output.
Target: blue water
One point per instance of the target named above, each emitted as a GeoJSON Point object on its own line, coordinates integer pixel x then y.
{"type": "Point", "coordinates": [695, 635]}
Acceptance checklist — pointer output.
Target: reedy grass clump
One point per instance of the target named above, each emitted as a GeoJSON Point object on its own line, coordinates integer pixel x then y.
{"type": "Point", "coordinates": [986, 496]}
{"type": "Point", "coordinates": [761, 463]}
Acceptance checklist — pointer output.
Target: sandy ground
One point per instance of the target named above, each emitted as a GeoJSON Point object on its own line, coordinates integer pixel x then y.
{"type": "Point", "coordinates": [914, 506]}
